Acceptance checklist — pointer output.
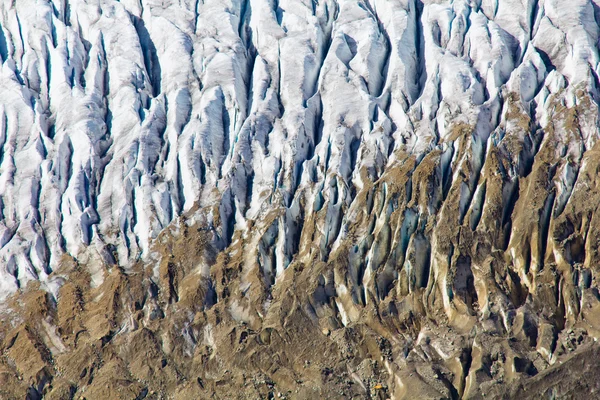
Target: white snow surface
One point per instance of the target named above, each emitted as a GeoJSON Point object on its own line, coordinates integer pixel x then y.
{"type": "Point", "coordinates": [118, 116]}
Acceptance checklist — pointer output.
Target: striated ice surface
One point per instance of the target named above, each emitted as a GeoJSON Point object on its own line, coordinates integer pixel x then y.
{"type": "Point", "coordinates": [116, 117]}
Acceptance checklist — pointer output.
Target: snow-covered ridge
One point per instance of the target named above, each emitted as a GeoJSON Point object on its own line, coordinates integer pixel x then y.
{"type": "Point", "coordinates": [118, 116]}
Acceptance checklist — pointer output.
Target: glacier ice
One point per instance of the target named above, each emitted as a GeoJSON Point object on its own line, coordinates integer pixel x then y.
{"type": "Point", "coordinates": [117, 117]}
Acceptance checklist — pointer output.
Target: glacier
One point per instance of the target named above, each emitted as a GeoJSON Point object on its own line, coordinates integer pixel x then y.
{"type": "Point", "coordinates": [413, 156]}
{"type": "Point", "coordinates": [118, 117]}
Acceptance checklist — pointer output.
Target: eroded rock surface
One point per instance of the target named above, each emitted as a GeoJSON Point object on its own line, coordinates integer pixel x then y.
{"type": "Point", "coordinates": [299, 199]}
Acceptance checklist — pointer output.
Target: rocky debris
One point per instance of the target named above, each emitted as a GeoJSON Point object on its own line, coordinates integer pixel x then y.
{"type": "Point", "coordinates": [110, 340]}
